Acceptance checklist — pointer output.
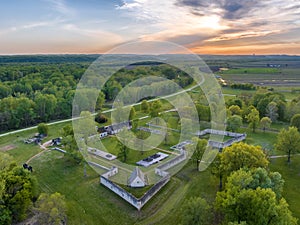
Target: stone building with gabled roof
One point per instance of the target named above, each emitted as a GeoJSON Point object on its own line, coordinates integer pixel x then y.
{"type": "Point", "coordinates": [114, 128]}
{"type": "Point", "coordinates": [137, 178]}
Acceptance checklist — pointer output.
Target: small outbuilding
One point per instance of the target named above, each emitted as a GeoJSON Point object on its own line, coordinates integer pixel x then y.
{"type": "Point", "coordinates": [137, 178]}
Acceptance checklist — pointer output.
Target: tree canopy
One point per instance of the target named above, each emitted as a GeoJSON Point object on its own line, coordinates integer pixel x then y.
{"type": "Point", "coordinates": [18, 188]}
{"type": "Point", "coordinates": [265, 123]}
{"type": "Point", "coordinates": [51, 209]}
{"type": "Point", "coordinates": [254, 197]}
{"type": "Point", "coordinates": [288, 141]}
{"type": "Point", "coordinates": [43, 128]}
{"type": "Point", "coordinates": [295, 121]}
{"type": "Point", "coordinates": [253, 119]}
{"type": "Point", "coordinates": [196, 211]}
{"type": "Point", "coordinates": [241, 155]}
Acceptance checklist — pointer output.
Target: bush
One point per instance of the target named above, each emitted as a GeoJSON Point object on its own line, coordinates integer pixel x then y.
{"type": "Point", "coordinates": [243, 86]}
{"type": "Point", "coordinates": [43, 128]}
{"type": "Point", "coordinates": [100, 118]}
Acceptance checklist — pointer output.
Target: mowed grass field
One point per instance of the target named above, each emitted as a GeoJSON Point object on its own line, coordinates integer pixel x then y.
{"type": "Point", "coordinates": [291, 175]}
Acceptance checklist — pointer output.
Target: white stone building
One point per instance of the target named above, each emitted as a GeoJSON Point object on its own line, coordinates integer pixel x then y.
{"type": "Point", "coordinates": [137, 178]}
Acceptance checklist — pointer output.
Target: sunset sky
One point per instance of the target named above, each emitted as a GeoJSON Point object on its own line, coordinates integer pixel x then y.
{"type": "Point", "coordinates": [203, 26]}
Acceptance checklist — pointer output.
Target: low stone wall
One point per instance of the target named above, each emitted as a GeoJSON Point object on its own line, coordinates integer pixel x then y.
{"type": "Point", "coordinates": [160, 170]}
{"type": "Point", "coordinates": [136, 202]}
{"type": "Point", "coordinates": [236, 137]}
{"type": "Point", "coordinates": [97, 165]}
{"type": "Point", "coordinates": [219, 132]}
{"type": "Point", "coordinates": [121, 192]}
{"type": "Point", "coordinates": [113, 171]}
{"type": "Point", "coordinates": [156, 187]}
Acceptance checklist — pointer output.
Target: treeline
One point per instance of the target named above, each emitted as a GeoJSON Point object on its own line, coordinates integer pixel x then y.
{"type": "Point", "coordinates": [262, 109]}
{"type": "Point", "coordinates": [241, 86]}
{"type": "Point", "coordinates": [36, 93]}
{"type": "Point", "coordinates": [39, 92]}
{"type": "Point", "coordinates": [48, 58]}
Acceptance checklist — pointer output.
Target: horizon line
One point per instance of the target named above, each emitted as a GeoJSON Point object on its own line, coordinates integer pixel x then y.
{"type": "Point", "coordinates": [69, 54]}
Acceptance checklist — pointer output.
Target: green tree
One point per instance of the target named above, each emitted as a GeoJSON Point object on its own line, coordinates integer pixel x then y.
{"type": "Point", "coordinates": [155, 108]}
{"type": "Point", "coordinates": [255, 205]}
{"type": "Point", "coordinates": [132, 113]}
{"type": "Point", "coordinates": [201, 145]}
{"type": "Point", "coordinates": [196, 211]}
{"type": "Point", "coordinates": [45, 106]}
{"type": "Point", "coordinates": [258, 177]}
{"type": "Point", "coordinates": [241, 155]}
{"type": "Point", "coordinates": [100, 101]}
{"type": "Point", "coordinates": [265, 123]}
{"type": "Point", "coordinates": [235, 101]}
{"type": "Point", "coordinates": [288, 141]}
{"type": "Point", "coordinates": [123, 146]}
{"type": "Point", "coordinates": [235, 110]}
{"type": "Point", "coordinates": [100, 118]}
{"type": "Point", "coordinates": [70, 145]}
{"type": "Point", "coordinates": [203, 112]}
{"type": "Point", "coordinates": [43, 128]}
{"type": "Point", "coordinates": [51, 209]}
{"type": "Point", "coordinates": [25, 111]}
{"type": "Point", "coordinates": [17, 190]}
{"type": "Point", "coordinates": [5, 91]}
{"type": "Point", "coordinates": [234, 123]}
{"type": "Point", "coordinates": [111, 89]}
{"type": "Point", "coordinates": [145, 106]}
{"type": "Point", "coordinates": [272, 111]}
{"type": "Point", "coordinates": [295, 121]}
{"type": "Point", "coordinates": [253, 119]}
{"type": "Point", "coordinates": [141, 136]}
{"type": "Point", "coordinates": [216, 170]}
{"type": "Point", "coordinates": [123, 151]}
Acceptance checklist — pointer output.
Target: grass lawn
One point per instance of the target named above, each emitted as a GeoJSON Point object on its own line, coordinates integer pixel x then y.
{"type": "Point", "coordinates": [264, 139]}
{"type": "Point", "coordinates": [111, 144]}
{"type": "Point", "coordinates": [22, 152]}
{"type": "Point", "coordinates": [291, 175]}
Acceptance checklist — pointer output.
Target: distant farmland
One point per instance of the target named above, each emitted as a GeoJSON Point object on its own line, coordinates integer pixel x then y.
{"type": "Point", "coordinates": [286, 77]}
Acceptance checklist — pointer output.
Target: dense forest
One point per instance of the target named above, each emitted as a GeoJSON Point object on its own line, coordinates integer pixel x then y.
{"type": "Point", "coordinates": [36, 91]}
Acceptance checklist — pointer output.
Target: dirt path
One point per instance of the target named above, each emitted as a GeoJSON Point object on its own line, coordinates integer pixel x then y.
{"type": "Point", "coordinates": [44, 149]}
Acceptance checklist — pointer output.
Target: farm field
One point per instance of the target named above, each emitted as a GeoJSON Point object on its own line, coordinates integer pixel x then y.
{"type": "Point", "coordinates": [263, 76]}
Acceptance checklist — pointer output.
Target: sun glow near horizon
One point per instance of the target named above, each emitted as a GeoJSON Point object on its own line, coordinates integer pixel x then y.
{"type": "Point", "coordinates": [214, 27]}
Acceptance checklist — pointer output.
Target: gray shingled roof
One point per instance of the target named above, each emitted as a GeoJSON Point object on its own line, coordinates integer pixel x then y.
{"type": "Point", "coordinates": [137, 173]}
